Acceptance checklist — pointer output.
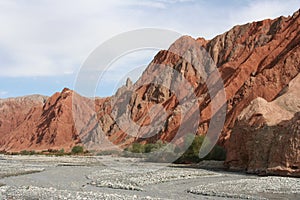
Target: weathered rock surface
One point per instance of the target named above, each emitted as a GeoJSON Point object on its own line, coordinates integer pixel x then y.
{"type": "Point", "coordinates": [266, 136]}
{"type": "Point", "coordinates": [49, 124]}
{"type": "Point", "coordinates": [258, 59]}
{"type": "Point", "coordinates": [13, 112]}
{"type": "Point", "coordinates": [255, 60]}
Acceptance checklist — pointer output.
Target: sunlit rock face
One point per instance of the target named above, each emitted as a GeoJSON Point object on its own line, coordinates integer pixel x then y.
{"type": "Point", "coordinates": [256, 62]}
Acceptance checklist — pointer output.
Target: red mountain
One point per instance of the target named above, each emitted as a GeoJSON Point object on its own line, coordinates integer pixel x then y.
{"type": "Point", "coordinates": [255, 60]}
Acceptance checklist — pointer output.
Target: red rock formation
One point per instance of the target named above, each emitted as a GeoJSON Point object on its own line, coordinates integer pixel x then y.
{"type": "Point", "coordinates": [49, 125]}
{"type": "Point", "coordinates": [13, 112]}
{"type": "Point", "coordinates": [255, 60]}
{"type": "Point", "coordinates": [266, 136]}
{"type": "Point", "coordinates": [258, 59]}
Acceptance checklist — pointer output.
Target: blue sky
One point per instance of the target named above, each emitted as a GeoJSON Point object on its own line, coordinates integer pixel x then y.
{"type": "Point", "coordinates": [44, 43]}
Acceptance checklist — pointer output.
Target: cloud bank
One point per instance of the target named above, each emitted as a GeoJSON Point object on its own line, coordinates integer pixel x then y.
{"type": "Point", "coordinates": [52, 38]}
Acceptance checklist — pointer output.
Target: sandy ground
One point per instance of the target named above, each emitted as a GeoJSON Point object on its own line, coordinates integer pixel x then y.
{"type": "Point", "coordinates": [106, 177]}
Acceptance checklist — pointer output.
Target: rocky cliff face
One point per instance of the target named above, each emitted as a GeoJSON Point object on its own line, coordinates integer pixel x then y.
{"type": "Point", "coordinates": [255, 60]}
{"type": "Point", "coordinates": [48, 124]}
{"type": "Point", "coordinates": [13, 112]}
{"type": "Point", "coordinates": [258, 59]}
{"type": "Point", "coordinates": [266, 135]}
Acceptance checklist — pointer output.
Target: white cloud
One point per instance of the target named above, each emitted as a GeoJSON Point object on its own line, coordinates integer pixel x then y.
{"type": "Point", "coordinates": [130, 62]}
{"type": "Point", "coordinates": [48, 38]}
{"type": "Point", "coordinates": [154, 4]}
{"type": "Point", "coordinates": [263, 9]}
{"type": "Point", "coordinates": [53, 37]}
{"type": "Point", "coordinates": [3, 94]}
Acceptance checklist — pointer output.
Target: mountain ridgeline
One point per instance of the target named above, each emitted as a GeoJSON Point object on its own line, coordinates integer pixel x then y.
{"type": "Point", "coordinates": [258, 63]}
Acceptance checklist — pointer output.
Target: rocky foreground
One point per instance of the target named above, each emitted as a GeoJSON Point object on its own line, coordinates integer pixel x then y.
{"type": "Point", "coordinates": [106, 177]}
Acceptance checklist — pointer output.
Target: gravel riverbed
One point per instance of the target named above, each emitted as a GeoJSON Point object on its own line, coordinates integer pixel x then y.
{"type": "Point", "coordinates": [44, 177]}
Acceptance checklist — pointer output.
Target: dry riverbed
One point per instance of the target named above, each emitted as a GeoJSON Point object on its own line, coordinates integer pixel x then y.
{"type": "Point", "coordinates": [106, 177]}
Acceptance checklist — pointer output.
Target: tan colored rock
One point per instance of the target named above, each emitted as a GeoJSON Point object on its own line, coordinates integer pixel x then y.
{"type": "Point", "coordinates": [266, 136]}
